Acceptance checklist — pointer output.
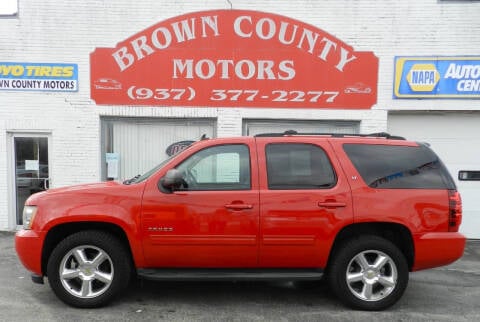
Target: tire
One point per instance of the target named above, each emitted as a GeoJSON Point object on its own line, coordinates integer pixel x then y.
{"type": "Point", "coordinates": [368, 273]}
{"type": "Point", "coordinates": [88, 269]}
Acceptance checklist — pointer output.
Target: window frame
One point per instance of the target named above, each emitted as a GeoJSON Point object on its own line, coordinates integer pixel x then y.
{"type": "Point", "coordinates": [244, 165]}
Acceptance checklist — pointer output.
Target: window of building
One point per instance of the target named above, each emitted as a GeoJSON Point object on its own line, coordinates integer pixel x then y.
{"type": "Point", "coordinates": [469, 175]}
{"type": "Point", "coordinates": [142, 143]}
{"type": "Point", "coordinates": [298, 166]}
{"type": "Point", "coordinates": [8, 7]}
{"type": "Point", "coordinates": [225, 167]}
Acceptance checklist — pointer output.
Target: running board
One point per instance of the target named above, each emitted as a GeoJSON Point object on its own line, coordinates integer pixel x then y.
{"type": "Point", "coordinates": [215, 274]}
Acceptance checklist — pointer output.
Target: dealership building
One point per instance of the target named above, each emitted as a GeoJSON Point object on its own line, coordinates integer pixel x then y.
{"type": "Point", "coordinates": [105, 90]}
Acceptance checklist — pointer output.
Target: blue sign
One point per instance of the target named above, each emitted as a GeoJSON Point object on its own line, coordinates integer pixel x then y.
{"type": "Point", "coordinates": [437, 77]}
{"type": "Point", "coordinates": [38, 77]}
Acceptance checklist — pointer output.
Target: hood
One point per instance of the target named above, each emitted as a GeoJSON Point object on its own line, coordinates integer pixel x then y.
{"type": "Point", "coordinates": [88, 188]}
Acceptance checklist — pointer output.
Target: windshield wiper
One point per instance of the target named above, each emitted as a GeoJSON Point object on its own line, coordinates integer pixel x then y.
{"type": "Point", "coordinates": [132, 180]}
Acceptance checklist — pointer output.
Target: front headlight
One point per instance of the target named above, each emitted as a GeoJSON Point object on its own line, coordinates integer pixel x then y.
{"type": "Point", "coordinates": [28, 216]}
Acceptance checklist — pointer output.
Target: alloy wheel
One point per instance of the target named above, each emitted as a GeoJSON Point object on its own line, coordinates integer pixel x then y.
{"type": "Point", "coordinates": [86, 271]}
{"type": "Point", "coordinates": [371, 275]}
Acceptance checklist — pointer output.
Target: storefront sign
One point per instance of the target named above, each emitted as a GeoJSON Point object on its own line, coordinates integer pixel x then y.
{"type": "Point", "coordinates": [38, 77]}
{"type": "Point", "coordinates": [437, 77]}
{"type": "Point", "coordinates": [177, 147]}
{"type": "Point", "coordinates": [234, 58]}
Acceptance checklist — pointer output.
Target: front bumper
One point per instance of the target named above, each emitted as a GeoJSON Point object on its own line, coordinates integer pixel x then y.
{"type": "Point", "coordinates": [28, 245]}
{"type": "Point", "coordinates": [437, 249]}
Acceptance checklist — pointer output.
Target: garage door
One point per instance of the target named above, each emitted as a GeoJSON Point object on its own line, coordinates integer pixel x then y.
{"type": "Point", "coordinates": [455, 137]}
{"type": "Point", "coordinates": [140, 144]}
{"type": "Point", "coordinates": [253, 127]}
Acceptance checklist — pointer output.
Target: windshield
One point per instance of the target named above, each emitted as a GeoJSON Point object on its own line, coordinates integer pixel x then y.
{"type": "Point", "coordinates": [139, 178]}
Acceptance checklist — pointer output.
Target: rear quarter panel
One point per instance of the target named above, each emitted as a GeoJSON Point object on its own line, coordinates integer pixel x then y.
{"type": "Point", "coordinates": [420, 210]}
{"type": "Point", "coordinates": [424, 212]}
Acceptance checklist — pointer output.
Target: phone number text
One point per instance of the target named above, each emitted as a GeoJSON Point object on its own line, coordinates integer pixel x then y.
{"type": "Point", "coordinates": [247, 95]}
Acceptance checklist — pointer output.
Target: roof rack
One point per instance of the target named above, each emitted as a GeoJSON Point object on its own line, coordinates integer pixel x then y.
{"type": "Point", "coordinates": [335, 135]}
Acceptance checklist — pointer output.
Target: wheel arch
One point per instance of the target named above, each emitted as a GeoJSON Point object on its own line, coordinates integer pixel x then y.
{"type": "Point", "coordinates": [61, 231]}
{"type": "Point", "coordinates": [396, 233]}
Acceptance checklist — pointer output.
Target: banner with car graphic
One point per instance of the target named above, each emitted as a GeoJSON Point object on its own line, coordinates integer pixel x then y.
{"type": "Point", "coordinates": [437, 77]}
{"type": "Point", "coordinates": [234, 58]}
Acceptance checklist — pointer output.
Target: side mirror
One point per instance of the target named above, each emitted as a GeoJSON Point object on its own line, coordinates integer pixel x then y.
{"type": "Point", "coordinates": [172, 179]}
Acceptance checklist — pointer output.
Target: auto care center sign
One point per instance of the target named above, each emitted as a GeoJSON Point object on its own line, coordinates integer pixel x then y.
{"type": "Point", "coordinates": [234, 58]}
{"type": "Point", "coordinates": [437, 77]}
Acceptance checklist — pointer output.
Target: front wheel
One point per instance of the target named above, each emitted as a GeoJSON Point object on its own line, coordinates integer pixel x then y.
{"type": "Point", "coordinates": [88, 269]}
{"type": "Point", "coordinates": [368, 273]}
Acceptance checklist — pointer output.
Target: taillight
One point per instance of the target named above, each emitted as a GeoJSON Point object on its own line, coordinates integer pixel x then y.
{"type": "Point", "coordinates": [454, 211]}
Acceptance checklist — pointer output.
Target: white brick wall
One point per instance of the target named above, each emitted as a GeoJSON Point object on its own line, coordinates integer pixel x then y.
{"type": "Point", "coordinates": [67, 32]}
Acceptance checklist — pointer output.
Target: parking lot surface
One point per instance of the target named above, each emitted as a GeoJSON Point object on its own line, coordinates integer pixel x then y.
{"type": "Point", "coordinates": [450, 293]}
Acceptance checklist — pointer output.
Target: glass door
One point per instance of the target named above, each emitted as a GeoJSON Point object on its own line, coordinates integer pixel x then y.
{"type": "Point", "coordinates": [31, 169]}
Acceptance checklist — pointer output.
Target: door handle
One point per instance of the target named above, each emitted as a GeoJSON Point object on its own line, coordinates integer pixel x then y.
{"type": "Point", "coordinates": [238, 206]}
{"type": "Point", "coordinates": [46, 183]}
{"type": "Point", "coordinates": [331, 204]}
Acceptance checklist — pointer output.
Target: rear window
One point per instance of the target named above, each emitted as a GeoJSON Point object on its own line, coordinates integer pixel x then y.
{"type": "Point", "coordinates": [399, 167]}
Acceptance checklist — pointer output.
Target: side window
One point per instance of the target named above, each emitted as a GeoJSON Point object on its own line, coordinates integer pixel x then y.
{"type": "Point", "coordinates": [8, 8]}
{"type": "Point", "coordinates": [298, 166]}
{"type": "Point", "coordinates": [224, 167]}
{"type": "Point", "coordinates": [398, 167]}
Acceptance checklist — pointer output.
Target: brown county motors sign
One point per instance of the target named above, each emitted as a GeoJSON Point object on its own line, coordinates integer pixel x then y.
{"type": "Point", "coordinates": [234, 58]}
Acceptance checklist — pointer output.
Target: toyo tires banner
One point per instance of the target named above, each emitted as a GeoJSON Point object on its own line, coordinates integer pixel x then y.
{"type": "Point", "coordinates": [234, 58]}
{"type": "Point", "coordinates": [53, 77]}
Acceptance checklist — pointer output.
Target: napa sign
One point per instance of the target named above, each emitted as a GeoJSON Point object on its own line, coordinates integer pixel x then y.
{"type": "Point", "coordinates": [437, 77]}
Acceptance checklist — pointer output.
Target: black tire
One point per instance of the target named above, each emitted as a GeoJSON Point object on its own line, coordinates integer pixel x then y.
{"type": "Point", "coordinates": [368, 287]}
{"type": "Point", "coordinates": [86, 283]}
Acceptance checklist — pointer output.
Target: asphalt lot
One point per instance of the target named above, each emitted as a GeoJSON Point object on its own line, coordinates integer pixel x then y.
{"type": "Point", "coordinates": [450, 293]}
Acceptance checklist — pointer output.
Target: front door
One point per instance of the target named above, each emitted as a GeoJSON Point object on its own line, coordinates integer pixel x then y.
{"type": "Point", "coordinates": [212, 219]}
{"type": "Point", "coordinates": [30, 169]}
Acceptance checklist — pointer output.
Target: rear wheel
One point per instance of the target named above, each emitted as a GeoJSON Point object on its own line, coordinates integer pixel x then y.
{"type": "Point", "coordinates": [88, 269]}
{"type": "Point", "coordinates": [368, 273]}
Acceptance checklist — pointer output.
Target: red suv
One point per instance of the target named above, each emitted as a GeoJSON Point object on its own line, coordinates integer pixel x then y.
{"type": "Point", "coordinates": [361, 210]}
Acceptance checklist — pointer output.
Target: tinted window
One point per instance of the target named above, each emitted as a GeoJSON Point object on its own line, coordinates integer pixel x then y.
{"type": "Point", "coordinates": [225, 167]}
{"type": "Point", "coordinates": [298, 166]}
{"type": "Point", "coordinates": [402, 167]}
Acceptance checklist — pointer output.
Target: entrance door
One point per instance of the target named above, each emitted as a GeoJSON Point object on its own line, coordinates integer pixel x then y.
{"type": "Point", "coordinates": [30, 168]}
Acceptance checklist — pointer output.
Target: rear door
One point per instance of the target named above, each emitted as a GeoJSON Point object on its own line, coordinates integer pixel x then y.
{"type": "Point", "coordinates": [304, 200]}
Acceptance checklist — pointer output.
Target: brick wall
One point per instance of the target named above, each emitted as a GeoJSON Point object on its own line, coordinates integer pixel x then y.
{"type": "Point", "coordinates": [67, 32]}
